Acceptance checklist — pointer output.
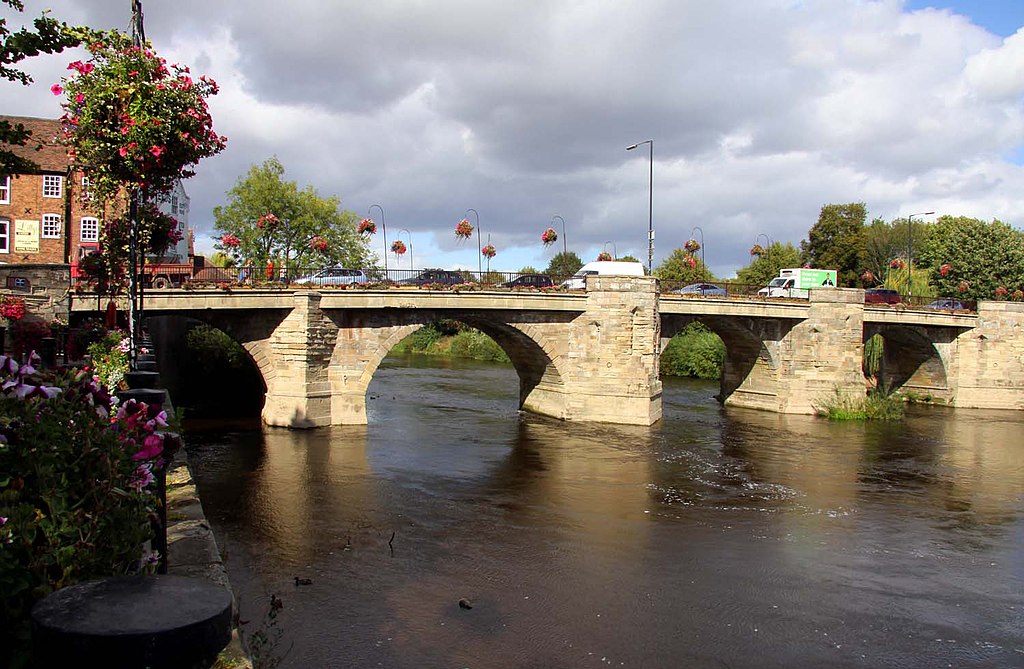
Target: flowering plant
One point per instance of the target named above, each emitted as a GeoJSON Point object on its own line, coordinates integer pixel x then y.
{"type": "Point", "coordinates": [964, 286]}
{"type": "Point", "coordinates": [230, 241]}
{"type": "Point", "coordinates": [757, 250]}
{"type": "Point", "coordinates": [12, 308]}
{"type": "Point", "coordinates": [398, 247]}
{"type": "Point", "coordinates": [489, 251]}
{"type": "Point", "coordinates": [366, 227]}
{"type": "Point", "coordinates": [945, 269]}
{"type": "Point", "coordinates": [268, 221]}
{"type": "Point", "coordinates": [1018, 294]}
{"type": "Point", "coordinates": [690, 261]}
{"type": "Point", "coordinates": [867, 276]}
{"type": "Point", "coordinates": [464, 229]}
{"type": "Point", "coordinates": [549, 237]}
{"type": "Point", "coordinates": [897, 263]}
{"type": "Point", "coordinates": [318, 243]}
{"type": "Point", "coordinates": [1002, 292]}
{"type": "Point", "coordinates": [604, 255]}
{"type": "Point", "coordinates": [692, 245]}
{"type": "Point", "coordinates": [132, 121]}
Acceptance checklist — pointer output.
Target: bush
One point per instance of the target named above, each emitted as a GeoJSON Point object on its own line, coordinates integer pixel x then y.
{"type": "Point", "coordinates": [478, 346]}
{"type": "Point", "coordinates": [110, 358]}
{"type": "Point", "coordinates": [696, 351]}
{"type": "Point", "coordinates": [76, 489]}
{"type": "Point", "coordinates": [879, 404]}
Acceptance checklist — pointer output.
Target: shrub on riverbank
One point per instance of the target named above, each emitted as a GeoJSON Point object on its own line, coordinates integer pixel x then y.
{"type": "Point", "coordinates": [454, 340]}
{"type": "Point", "coordinates": [696, 352]}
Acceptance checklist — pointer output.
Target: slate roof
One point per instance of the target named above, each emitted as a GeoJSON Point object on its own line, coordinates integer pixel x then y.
{"type": "Point", "coordinates": [43, 147]}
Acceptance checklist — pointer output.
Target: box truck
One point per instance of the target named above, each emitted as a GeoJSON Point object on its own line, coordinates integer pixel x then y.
{"type": "Point", "coordinates": [797, 281]}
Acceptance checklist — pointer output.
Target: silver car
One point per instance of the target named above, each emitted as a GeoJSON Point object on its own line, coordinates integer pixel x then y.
{"type": "Point", "coordinates": [334, 276]}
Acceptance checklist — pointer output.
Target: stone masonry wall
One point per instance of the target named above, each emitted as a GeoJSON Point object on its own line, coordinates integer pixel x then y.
{"type": "Point", "coordinates": [990, 359]}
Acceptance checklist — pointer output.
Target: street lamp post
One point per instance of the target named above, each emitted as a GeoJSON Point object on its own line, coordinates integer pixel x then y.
{"type": "Point", "coordinates": [697, 228]}
{"type": "Point", "coordinates": [615, 253]}
{"type": "Point", "coordinates": [384, 231]}
{"type": "Point", "coordinates": [479, 250]}
{"type": "Point", "coordinates": [411, 266]}
{"type": "Point", "coordinates": [650, 205]}
{"type": "Point", "coordinates": [565, 249]}
{"type": "Point", "coordinates": [910, 249]}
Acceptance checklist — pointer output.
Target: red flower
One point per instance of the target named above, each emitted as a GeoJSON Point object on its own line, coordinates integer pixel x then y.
{"type": "Point", "coordinates": [366, 227]}
{"type": "Point", "coordinates": [964, 286]}
{"type": "Point", "coordinates": [690, 261]}
{"type": "Point", "coordinates": [1001, 291]}
{"type": "Point", "coordinates": [945, 269]}
{"type": "Point", "coordinates": [267, 221]}
{"type": "Point", "coordinates": [897, 263]}
{"type": "Point", "coordinates": [757, 250]}
{"type": "Point", "coordinates": [489, 251]}
{"type": "Point", "coordinates": [318, 244]}
{"type": "Point", "coordinates": [231, 241]}
{"type": "Point", "coordinates": [604, 256]}
{"type": "Point", "coordinates": [56, 89]}
{"type": "Point", "coordinates": [464, 230]}
{"type": "Point", "coordinates": [398, 248]}
{"type": "Point", "coordinates": [549, 236]}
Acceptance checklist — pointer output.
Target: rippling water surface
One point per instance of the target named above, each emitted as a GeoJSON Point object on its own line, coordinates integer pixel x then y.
{"type": "Point", "coordinates": [716, 538]}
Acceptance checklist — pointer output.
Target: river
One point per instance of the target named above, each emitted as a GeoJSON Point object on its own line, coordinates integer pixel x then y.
{"type": "Point", "coordinates": [716, 538]}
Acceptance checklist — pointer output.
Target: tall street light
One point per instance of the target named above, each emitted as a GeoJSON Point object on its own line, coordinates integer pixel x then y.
{"type": "Point", "coordinates": [650, 206]}
{"type": "Point", "coordinates": [411, 266]}
{"type": "Point", "coordinates": [697, 228]}
{"type": "Point", "coordinates": [615, 253]}
{"type": "Point", "coordinates": [564, 248]}
{"type": "Point", "coordinates": [910, 248]}
{"type": "Point", "coordinates": [479, 249]}
{"type": "Point", "coordinates": [384, 230]}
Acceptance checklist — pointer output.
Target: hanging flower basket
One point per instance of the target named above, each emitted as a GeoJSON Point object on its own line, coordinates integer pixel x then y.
{"type": "Point", "coordinates": [268, 221]}
{"type": "Point", "coordinates": [489, 251]}
{"type": "Point", "coordinates": [12, 308]}
{"type": "Point", "coordinates": [604, 255]}
{"type": "Point", "coordinates": [897, 263]}
{"type": "Point", "coordinates": [318, 243]}
{"type": "Point", "coordinates": [690, 261]}
{"type": "Point", "coordinates": [868, 276]}
{"type": "Point", "coordinates": [549, 237]}
{"type": "Point", "coordinates": [945, 269]}
{"type": "Point", "coordinates": [398, 248]}
{"type": "Point", "coordinates": [692, 245]}
{"type": "Point", "coordinates": [230, 241]}
{"type": "Point", "coordinates": [366, 227]}
{"type": "Point", "coordinates": [964, 286]}
{"type": "Point", "coordinates": [757, 250]}
{"type": "Point", "coordinates": [464, 230]}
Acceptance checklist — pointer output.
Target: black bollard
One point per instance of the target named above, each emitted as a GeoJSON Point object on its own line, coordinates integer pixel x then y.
{"type": "Point", "coordinates": [48, 352]}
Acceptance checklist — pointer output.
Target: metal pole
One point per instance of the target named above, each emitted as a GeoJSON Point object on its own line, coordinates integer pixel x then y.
{"type": "Point", "coordinates": [384, 231]}
{"type": "Point", "coordinates": [650, 204]}
{"type": "Point", "coordinates": [697, 228]}
{"type": "Point", "coordinates": [565, 248]}
{"type": "Point", "coordinates": [615, 252]}
{"type": "Point", "coordinates": [411, 266]}
{"type": "Point", "coordinates": [479, 254]}
{"type": "Point", "coordinates": [910, 249]}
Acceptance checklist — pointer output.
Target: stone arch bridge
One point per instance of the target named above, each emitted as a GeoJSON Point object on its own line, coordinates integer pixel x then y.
{"type": "Point", "coordinates": [594, 355]}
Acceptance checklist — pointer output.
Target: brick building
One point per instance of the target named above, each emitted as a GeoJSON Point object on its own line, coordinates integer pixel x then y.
{"type": "Point", "coordinates": [46, 216]}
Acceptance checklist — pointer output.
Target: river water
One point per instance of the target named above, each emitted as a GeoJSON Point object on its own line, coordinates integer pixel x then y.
{"type": "Point", "coordinates": [716, 538]}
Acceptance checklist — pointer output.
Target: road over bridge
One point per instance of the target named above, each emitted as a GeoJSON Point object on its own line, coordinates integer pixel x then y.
{"type": "Point", "coordinates": [594, 355]}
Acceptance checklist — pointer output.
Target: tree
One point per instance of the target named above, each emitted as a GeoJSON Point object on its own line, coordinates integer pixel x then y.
{"type": "Point", "coordinates": [49, 36]}
{"type": "Point", "coordinates": [974, 259]}
{"type": "Point", "coordinates": [767, 262]}
{"type": "Point", "coordinates": [837, 241]}
{"type": "Point", "coordinates": [268, 218]}
{"type": "Point", "coordinates": [528, 269]}
{"type": "Point", "coordinates": [629, 258]}
{"type": "Point", "coordinates": [683, 267]}
{"type": "Point", "coordinates": [564, 264]}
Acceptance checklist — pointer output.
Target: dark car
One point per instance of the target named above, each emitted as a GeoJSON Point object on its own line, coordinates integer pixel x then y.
{"type": "Point", "coordinates": [428, 276]}
{"type": "Point", "coordinates": [881, 296]}
{"type": "Point", "coordinates": [945, 303]}
{"type": "Point", "coordinates": [529, 281]}
{"type": "Point", "coordinates": [702, 289]}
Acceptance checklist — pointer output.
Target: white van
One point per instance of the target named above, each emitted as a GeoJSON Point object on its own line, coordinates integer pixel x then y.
{"type": "Point", "coordinates": [578, 281]}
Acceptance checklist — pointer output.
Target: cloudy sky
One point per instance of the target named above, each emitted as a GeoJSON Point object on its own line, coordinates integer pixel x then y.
{"type": "Point", "coordinates": [761, 111]}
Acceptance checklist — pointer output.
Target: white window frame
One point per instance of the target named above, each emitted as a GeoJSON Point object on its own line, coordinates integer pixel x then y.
{"type": "Point", "coordinates": [86, 193]}
{"type": "Point", "coordinates": [55, 223]}
{"type": "Point", "coordinates": [5, 189]}
{"type": "Point", "coordinates": [53, 185]}
{"type": "Point", "coordinates": [95, 224]}
{"type": "Point", "coordinates": [5, 235]}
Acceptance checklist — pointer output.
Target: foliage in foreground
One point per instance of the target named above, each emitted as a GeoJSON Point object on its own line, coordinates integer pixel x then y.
{"type": "Point", "coordinates": [76, 489]}
{"type": "Point", "coordinates": [879, 404]}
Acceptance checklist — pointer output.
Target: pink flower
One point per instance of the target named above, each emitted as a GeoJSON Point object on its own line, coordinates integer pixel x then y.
{"type": "Point", "coordinates": [79, 98]}
{"type": "Point", "coordinates": [56, 89]}
{"type": "Point", "coordinates": [152, 446]}
{"type": "Point", "coordinates": [156, 151]}
{"type": "Point", "coordinates": [122, 152]}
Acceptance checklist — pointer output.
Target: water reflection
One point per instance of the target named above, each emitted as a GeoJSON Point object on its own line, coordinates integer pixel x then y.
{"type": "Point", "coordinates": [719, 537]}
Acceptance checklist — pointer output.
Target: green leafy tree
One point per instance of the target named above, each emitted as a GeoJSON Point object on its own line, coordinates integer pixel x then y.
{"type": "Point", "coordinates": [629, 258]}
{"type": "Point", "coordinates": [974, 259]}
{"type": "Point", "coordinates": [528, 269]}
{"type": "Point", "coordinates": [683, 267]}
{"type": "Point", "coordinates": [767, 262]}
{"type": "Point", "coordinates": [48, 36]}
{"type": "Point", "coordinates": [303, 229]}
{"type": "Point", "coordinates": [836, 241]}
{"type": "Point", "coordinates": [564, 265]}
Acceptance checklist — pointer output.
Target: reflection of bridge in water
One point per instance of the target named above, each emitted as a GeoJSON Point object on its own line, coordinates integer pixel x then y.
{"type": "Point", "coordinates": [594, 356]}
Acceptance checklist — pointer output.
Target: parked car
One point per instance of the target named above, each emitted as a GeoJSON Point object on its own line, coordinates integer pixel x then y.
{"type": "Point", "coordinates": [529, 281]}
{"type": "Point", "coordinates": [334, 276]}
{"type": "Point", "coordinates": [428, 276]}
{"type": "Point", "coordinates": [881, 296]}
{"type": "Point", "coordinates": [702, 289]}
{"type": "Point", "coordinates": [945, 303]}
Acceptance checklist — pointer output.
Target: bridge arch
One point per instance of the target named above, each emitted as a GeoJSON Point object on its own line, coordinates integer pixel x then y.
{"type": "Point", "coordinates": [915, 359]}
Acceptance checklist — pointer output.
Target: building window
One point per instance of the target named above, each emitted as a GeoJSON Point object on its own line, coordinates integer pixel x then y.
{"type": "Point", "coordinates": [5, 235]}
{"type": "Point", "coordinates": [51, 226]}
{"type": "Point", "coordinates": [53, 185]}
{"type": "Point", "coordinates": [86, 192]}
{"type": "Point", "coordinates": [5, 190]}
{"type": "Point", "coordinates": [90, 229]}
